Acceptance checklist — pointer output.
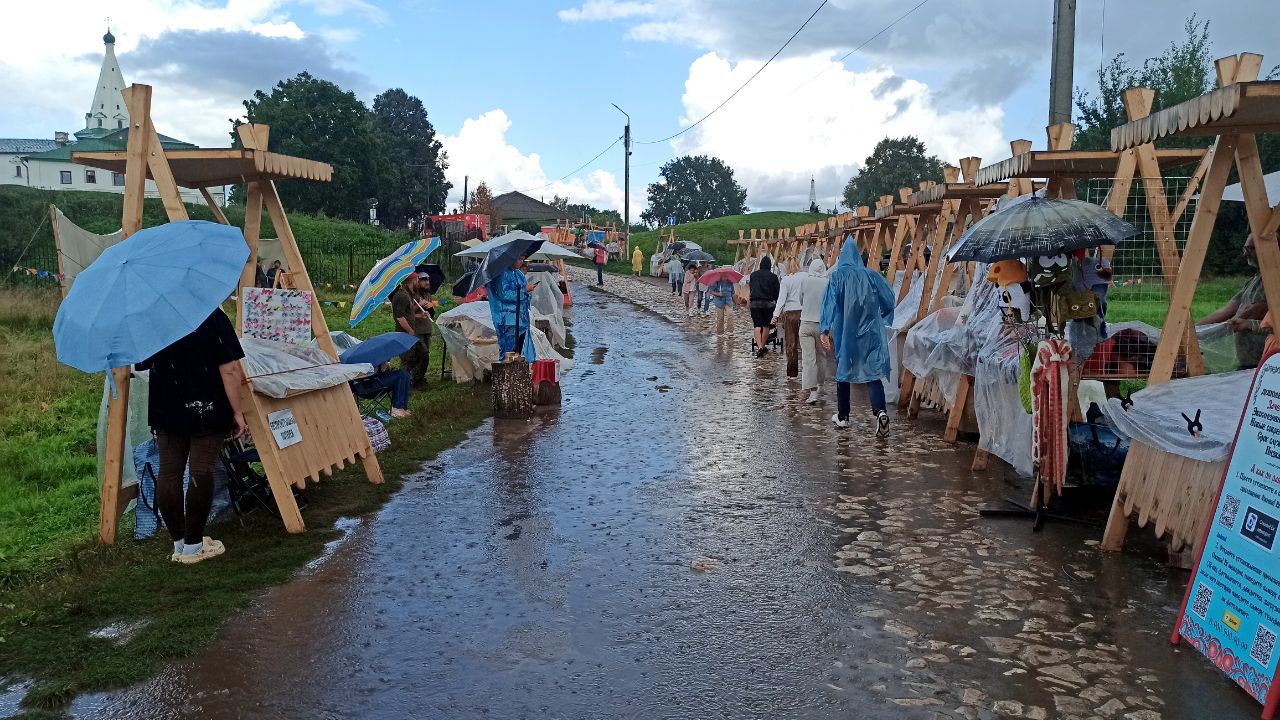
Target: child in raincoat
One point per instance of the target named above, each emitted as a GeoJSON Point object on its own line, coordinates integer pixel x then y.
{"type": "Point", "coordinates": [855, 310]}
{"type": "Point", "coordinates": [637, 261]}
{"type": "Point", "coordinates": [675, 274]}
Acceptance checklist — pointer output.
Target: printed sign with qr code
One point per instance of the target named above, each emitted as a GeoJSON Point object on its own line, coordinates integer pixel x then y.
{"type": "Point", "coordinates": [1232, 606]}
{"type": "Point", "coordinates": [1230, 508]}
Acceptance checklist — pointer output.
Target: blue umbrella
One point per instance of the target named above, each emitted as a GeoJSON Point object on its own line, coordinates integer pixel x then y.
{"type": "Point", "coordinates": [379, 349]}
{"type": "Point", "coordinates": [146, 292]}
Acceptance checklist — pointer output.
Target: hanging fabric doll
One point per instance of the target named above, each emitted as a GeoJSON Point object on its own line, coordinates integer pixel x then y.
{"type": "Point", "coordinates": [1050, 274]}
{"type": "Point", "coordinates": [1015, 301]}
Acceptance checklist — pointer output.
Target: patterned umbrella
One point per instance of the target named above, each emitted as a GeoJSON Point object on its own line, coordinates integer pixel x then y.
{"type": "Point", "coordinates": [386, 274]}
{"type": "Point", "coordinates": [1037, 227]}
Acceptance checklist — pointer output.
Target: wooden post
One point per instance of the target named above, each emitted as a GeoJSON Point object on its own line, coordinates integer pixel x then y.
{"type": "Point", "coordinates": [213, 207]}
{"type": "Point", "coordinates": [512, 389]}
{"type": "Point", "coordinates": [138, 101]}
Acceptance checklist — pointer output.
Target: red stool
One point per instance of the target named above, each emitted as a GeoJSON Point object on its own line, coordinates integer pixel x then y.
{"type": "Point", "coordinates": [546, 383]}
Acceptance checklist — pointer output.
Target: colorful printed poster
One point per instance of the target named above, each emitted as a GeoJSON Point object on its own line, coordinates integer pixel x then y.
{"type": "Point", "coordinates": [279, 315]}
{"type": "Point", "coordinates": [1231, 612]}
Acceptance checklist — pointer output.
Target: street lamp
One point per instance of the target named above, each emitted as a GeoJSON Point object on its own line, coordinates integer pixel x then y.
{"type": "Point", "coordinates": [626, 182]}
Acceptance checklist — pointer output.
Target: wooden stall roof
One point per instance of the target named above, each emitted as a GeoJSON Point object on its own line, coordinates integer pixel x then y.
{"type": "Point", "coordinates": [1075, 163]}
{"type": "Point", "coordinates": [889, 211]}
{"type": "Point", "coordinates": [1249, 107]}
{"type": "Point", "coordinates": [210, 167]}
{"type": "Point", "coordinates": [956, 191]}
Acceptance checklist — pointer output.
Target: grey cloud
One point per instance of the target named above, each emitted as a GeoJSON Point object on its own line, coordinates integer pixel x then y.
{"type": "Point", "coordinates": [888, 85]}
{"type": "Point", "coordinates": [985, 83]}
{"type": "Point", "coordinates": [236, 63]}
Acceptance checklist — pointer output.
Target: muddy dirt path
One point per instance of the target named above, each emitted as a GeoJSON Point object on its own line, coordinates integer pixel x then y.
{"type": "Point", "coordinates": [546, 569]}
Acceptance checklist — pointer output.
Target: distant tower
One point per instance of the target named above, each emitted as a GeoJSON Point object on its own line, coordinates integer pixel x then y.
{"type": "Point", "coordinates": [813, 196]}
{"type": "Point", "coordinates": [108, 112]}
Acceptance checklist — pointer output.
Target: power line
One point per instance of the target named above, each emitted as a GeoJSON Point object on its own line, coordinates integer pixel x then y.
{"type": "Point", "coordinates": [735, 92]}
{"type": "Point", "coordinates": [577, 169]}
{"type": "Point", "coordinates": [866, 42]}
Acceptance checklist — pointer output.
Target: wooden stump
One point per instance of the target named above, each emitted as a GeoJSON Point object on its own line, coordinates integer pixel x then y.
{"type": "Point", "coordinates": [512, 389]}
{"type": "Point", "coordinates": [548, 393]}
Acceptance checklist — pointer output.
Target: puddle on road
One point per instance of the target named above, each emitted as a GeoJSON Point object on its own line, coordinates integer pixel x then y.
{"type": "Point", "coordinates": [597, 355]}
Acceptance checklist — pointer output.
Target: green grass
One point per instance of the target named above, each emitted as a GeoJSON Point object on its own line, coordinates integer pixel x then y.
{"type": "Point", "coordinates": [1149, 301]}
{"type": "Point", "coordinates": [57, 585]}
{"type": "Point", "coordinates": [333, 249]}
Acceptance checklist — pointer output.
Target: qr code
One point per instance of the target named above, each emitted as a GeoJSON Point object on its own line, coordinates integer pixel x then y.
{"type": "Point", "coordinates": [1264, 642]}
{"type": "Point", "coordinates": [1200, 605]}
{"type": "Point", "coordinates": [1230, 508]}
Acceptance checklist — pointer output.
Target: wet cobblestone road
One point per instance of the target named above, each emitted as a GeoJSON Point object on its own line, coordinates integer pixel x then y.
{"type": "Point", "coordinates": [685, 538]}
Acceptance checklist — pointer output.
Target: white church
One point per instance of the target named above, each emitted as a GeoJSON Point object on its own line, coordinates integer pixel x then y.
{"type": "Point", "coordinates": [46, 164]}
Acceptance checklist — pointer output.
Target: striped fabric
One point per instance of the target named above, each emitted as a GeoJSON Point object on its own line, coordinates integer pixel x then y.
{"type": "Point", "coordinates": [386, 274]}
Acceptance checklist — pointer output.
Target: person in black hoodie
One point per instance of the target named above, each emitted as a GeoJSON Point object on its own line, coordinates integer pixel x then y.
{"type": "Point", "coordinates": [764, 297]}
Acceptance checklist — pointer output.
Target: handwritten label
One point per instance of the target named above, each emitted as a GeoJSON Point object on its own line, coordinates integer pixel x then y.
{"type": "Point", "coordinates": [284, 428]}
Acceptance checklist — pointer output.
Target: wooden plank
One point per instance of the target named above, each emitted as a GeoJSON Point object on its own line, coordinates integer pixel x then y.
{"type": "Point", "coordinates": [57, 247]}
{"type": "Point", "coordinates": [1192, 261]}
{"type": "Point", "coordinates": [252, 233]}
{"type": "Point", "coordinates": [956, 414]}
{"type": "Point", "coordinates": [213, 207]}
{"type": "Point", "coordinates": [135, 187]}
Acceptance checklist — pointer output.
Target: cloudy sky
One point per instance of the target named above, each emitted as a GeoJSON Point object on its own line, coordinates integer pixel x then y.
{"type": "Point", "coordinates": [521, 89]}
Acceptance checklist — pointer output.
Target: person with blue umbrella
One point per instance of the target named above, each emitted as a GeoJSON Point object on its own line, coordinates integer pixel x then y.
{"type": "Point", "coordinates": [378, 351]}
{"type": "Point", "coordinates": [153, 301]}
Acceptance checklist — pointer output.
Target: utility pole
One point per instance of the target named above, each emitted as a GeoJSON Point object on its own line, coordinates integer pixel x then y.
{"type": "Point", "coordinates": [626, 180]}
{"type": "Point", "coordinates": [465, 179]}
{"type": "Point", "coordinates": [1064, 54]}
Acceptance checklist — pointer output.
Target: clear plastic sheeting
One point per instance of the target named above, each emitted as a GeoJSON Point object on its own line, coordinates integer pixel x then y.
{"type": "Point", "coordinates": [1155, 418]}
{"type": "Point", "coordinates": [547, 301]}
{"type": "Point", "coordinates": [1004, 426]}
{"type": "Point", "coordinates": [137, 428]}
{"type": "Point", "coordinates": [282, 369]}
{"type": "Point", "coordinates": [468, 333]}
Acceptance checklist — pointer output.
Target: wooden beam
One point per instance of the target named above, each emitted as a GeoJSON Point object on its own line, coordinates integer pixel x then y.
{"type": "Point", "coordinates": [1258, 208]}
{"type": "Point", "coordinates": [1184, 290]}
{"type": "Point", "coordinates": [213, 207]}
{"type": "Point", "coordinates": [135, 191]}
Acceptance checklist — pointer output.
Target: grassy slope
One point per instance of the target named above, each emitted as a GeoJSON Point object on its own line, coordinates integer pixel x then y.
{"type": "Point", "coordinates": [24, 216]}
{"type": "Point", "coordinates": [57, 585]}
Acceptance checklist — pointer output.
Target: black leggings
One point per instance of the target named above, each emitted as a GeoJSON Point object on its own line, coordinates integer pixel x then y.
{"type": "Point", "coordinates": [186, 518]}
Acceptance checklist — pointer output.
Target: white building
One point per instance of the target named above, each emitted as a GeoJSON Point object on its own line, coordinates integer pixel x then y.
{"type": "Point", "coordinates": [46, 164]}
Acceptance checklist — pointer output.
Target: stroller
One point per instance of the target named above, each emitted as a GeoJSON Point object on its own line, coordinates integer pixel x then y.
{"type": "Point", "coordinates": [775, 340]}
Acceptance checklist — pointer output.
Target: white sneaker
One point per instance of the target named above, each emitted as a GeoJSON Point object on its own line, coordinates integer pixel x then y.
{"type": "Point", "coordinates": [813, 398]}
{"type": "Point", "coordinates": [882, 424]}
{"type": "Point", "coordinates": [835, 420]}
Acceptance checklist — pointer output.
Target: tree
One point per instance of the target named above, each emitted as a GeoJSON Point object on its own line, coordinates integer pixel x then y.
{"type": "Point", "coordinates": [694, 187]}
{"type": "Point", "coordinates": [416, 184]}
{"type": "Point", "coordinates": [318, 120]}
{"type": "Point", "coordinates": [1180, 73]}
{"type": "Point", "coordinates": [579, 211]}
{"type": "Point", "coordinates": [482, 204]}
{"type": "Point", "coordinates": [893, 163]}
{"type": "Point", "coordinates": [529, 226]}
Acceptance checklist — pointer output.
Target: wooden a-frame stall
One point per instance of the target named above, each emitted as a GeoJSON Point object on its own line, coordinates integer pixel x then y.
{"type": "Point", "coordinates": [333, 433]}
{"type": "Point", "coordinates": [1176, 493]}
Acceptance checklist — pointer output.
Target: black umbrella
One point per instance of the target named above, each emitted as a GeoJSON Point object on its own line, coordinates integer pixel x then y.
{"type": "Point", "coordinates": [675, 247]}
{"type": "Point", "coordinates": [698, 256]}
{"type": "Point", "coordinates": [433, 274]}
{"type": "Point", "coordinates": [1036, 226]}
{"type": "Point", "coordinates": [501, 258]}
{"type": "Point", "coordinates": [462, 288]}
{"type": "Point", "coordinates": [541, 267]}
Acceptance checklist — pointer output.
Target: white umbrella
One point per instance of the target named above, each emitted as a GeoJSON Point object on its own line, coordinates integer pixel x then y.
{"type": "Point", "coordinates": [548, 251]}
{"type": "Point", "coordinates": [1271, 181]}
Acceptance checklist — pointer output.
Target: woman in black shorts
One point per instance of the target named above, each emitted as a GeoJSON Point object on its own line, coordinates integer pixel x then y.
{"type": "Point", "coordinates": [764, 297]}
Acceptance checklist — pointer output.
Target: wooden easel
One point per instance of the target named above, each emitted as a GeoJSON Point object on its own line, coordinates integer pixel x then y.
{"type": "Point", "coordinates": [1239, 109]}
{"type": "Point", "coordinates": [333, 432]}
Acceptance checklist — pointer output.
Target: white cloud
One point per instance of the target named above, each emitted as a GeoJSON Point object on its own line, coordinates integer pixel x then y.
{"type": "Point", "coordinates": [776, 136]}
{"type": "Point", "coordinates": [607, 10]}
{"type": "Point", "coordinates": [480, 151]}
{"type": "Point", "coordinates": [54, 80]}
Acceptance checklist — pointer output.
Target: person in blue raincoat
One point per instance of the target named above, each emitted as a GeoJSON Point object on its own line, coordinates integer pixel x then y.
{"type": "Point", "coordinates": [509, 295]}
{"type": "Point", "coordinates": [855, 310]}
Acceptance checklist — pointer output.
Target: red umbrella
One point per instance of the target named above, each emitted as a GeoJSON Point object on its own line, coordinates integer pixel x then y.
{"type": "Point", "coordinates": [727, 272]}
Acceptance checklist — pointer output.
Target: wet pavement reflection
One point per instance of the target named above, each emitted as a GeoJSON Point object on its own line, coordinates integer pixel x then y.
{"type": "Point", "coordinates": [685, 538]}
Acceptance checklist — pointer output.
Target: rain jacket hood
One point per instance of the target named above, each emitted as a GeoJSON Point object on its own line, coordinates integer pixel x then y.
{"type": "Point", "coordinates": [817, 268]}
{"type": "Point", "coordinates": [855, 310]}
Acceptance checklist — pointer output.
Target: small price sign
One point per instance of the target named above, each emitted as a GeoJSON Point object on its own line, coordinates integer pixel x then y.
{"type": "Point", "coordinates": [284, 428]}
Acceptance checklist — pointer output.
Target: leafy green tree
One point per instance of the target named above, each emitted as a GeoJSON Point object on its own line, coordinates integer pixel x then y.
{"type": "Point", "coordinates": [578, 211]}
{"type": "Point", "coordinates": [893, 163]}
{"type": "Point", "coordinates": [415, 184]}
{"type": "Point", "coordinates": [529, 226]}
{"type": "Point", "coordinates": [1183, 71]}
{"type": "Point", "coordinates": [318, 120]}
{"type": "Point", "coordinates": [694, 187]}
